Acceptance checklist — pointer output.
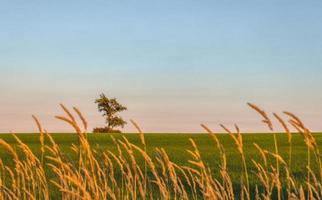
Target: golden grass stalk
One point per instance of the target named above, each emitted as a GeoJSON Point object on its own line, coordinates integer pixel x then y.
{"type": "Point", "coordinates": [266, 119]}
{"type": "Point", "coordinates": [309, 141]}
{"type": "Point", "coordinates": [239, 144]}
{"type": "Point", "coordinates": [141, 134]}
{"type": "Point", "coordinates": [312, 144]}
{"type": "Point", "coordinates": [269, 123]}
{"type": "Point", "coordinates": [69, 114]}
{"type": "Point", "coordinates": [159, 182]}
{"type": "Point", "coordinates": [213, 136]}
{"type": "Point", "coordinates": [41, 138]}
{"type": "Point", "coordinates": [78, 131]}
{"type": "Point", "coordinates": [142, 138]}
{"type": "Point", "coordinates": [278, 183]}
{"type": "Point", "coordinates": [289, 135]}
{"type": "Point", "coordinates": [11, 150]}
{"type": "Point", "coordinates": [80, 115]}
{"type": "Point", "coordinates": [263, 154]}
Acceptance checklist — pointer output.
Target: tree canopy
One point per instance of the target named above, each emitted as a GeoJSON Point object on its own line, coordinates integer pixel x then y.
{"type": "Point", "coordinates": [110, 108]}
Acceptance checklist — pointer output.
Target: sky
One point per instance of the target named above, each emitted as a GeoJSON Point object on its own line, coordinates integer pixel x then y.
{"type": "Point", "coordinates": [174, 64]}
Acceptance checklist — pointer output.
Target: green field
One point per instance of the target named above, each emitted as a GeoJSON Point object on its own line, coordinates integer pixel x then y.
{"type": "Point", "coordinates": [177, 144]}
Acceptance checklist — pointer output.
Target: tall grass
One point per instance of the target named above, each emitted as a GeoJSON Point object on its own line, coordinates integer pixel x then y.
{"type": "Point", "coordinates": [118, 174]}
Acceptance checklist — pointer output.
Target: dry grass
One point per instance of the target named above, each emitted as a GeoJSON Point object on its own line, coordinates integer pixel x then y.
{"type": "Point", "coordinates": [108, 175]}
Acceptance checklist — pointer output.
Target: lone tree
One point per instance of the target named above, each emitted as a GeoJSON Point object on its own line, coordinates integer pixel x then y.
{"type": "Point", "coordinates": [110, 107]}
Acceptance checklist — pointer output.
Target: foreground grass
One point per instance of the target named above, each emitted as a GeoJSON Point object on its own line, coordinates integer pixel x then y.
{"type": "Point", "coordinates": [176, 146]}
{"type": "Point", "coordinates": [162, 166]}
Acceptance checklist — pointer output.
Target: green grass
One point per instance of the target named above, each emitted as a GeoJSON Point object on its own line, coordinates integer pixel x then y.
{"type": "Point", "coordinates": [177, 144]}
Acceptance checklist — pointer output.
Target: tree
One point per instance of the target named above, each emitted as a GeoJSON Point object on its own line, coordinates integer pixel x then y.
{"type": "Point", "coordinates": [110, 108]}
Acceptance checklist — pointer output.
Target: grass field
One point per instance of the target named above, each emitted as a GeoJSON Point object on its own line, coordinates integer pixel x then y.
{"type": "Point", "coordinates": [176, 146]}
{"type": "Point", "coordinates": [162, 166]}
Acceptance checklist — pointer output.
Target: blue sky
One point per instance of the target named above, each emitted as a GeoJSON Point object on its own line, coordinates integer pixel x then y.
{"type": "Point", "coordinates": [175, 64]}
